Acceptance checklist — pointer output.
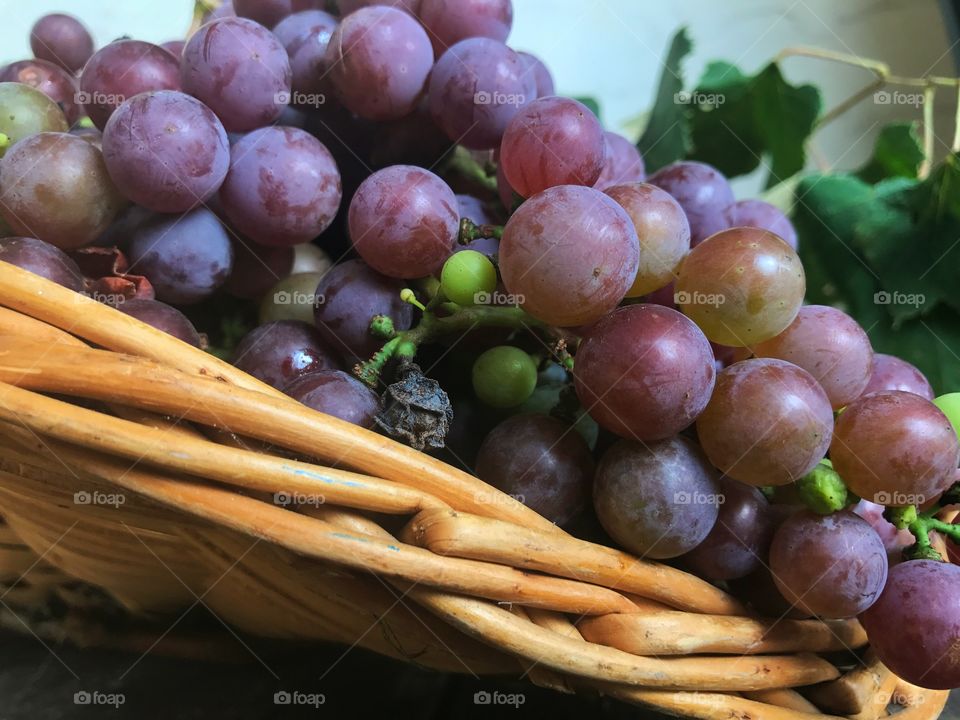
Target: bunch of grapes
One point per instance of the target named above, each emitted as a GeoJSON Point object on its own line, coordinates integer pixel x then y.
{"type": "Point", "coordinates": [387, 213]}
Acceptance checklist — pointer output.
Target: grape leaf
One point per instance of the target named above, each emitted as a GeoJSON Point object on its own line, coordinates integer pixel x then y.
{"type": "Point", "coordinates": [896, 153]}
{"type": "Point", "coordinates": [740, 121]}
{"type": "Point", "coordinates": [666, 138]}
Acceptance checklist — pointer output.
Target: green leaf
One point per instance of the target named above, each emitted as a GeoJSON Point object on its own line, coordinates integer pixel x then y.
{"type": "Point", "coordinates": [666, 138]}
{"type": "Point", "coordinates": [740, 121]}
{"type": "Point", "coordinates": [897, 152]}
{"type": "Point", "coordinates": [590, 102]}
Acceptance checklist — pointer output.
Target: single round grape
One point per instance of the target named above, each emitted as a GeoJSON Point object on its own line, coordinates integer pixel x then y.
{"type": "Point", "coordinates": [552, 141]}
{"type": "Point", "coordinates": [166, 151]}
{"type": "Point", "coordinates": [162, 317]}
{"type": "Point", "coordinates": [540, 461]}
{"type": "Point", "coordinates": [504, 377]}
{"type": "Point", "coordinates": [283, 187]}
{"type": "Point", "coordinates": [892, 373]}
{"type": "Point", "coordinates": [768, 422]}
{"type": "Point", "coordinates": [185, 257]}
{"type": "Point", "coordinates": [915, 624]}
{"type": "Point", "coordinates": [740, 539]}
{"type": "Point", "coordinates": [42, 259]}
{"type": "Point", "coordinates": [541, 74]}
{"type": "Point", "coordinates": [336, 393]}
{"type": "Point", "coordinates": [476, 88]}
{"type": "Point", "coordinates": [310, 258]}
{"type": "Point", "coordinates": [466, 274]}
{"type": "Point", "coordinates": [52, 80]}
{"type": "Point", "coordinates": [404, 221]}
{"type": "Point", "coordinates": [349, 296]}
{"type": "Point", "coordinates": [293, 298]}
{"type": "Point", "coordinates": [348, 6]}
{"type": "Point", "coordinates": [306, 26]}
{"type": "Point", "coordinates": [703, 193]}
{"type": "Point", "coordinates": [257, 268]}
{"type": "Point", "coordinates": [834, 566]}
{"type": "Point", "coordinates": [743, 286]}
{"type": "Point", "coordinates": [831, 346]}
{"type": "Point", "coordinates": [62, 40]}
{"type": "Point", "coordinates": [658, 500]}
{"type": "Point", "coordinates": [26, 112]}
{"type": "Point", "coordinates": [240, 70]}
{"type": "Point", "coordinates": [450, 21]}
{"type": "Point", "coordinates": [760, 214]}
{"type": "Point", "coordinates": [644, 372]}
{"type": "Point", "coordinates": [280, 352]}
{"type": "Point", "coordinates": [623, 164]}
{"type": "Point", "coordinates": [663, 231]}
{"type": "Point", "coordinates": [121, 70]}
{"type": "Point", "coordinates": [571, 253]}
{"type": "Point", "coordinates": [378, 60]}
{"type": "Point", "coordinates": [895, 448]}
{"type": "Point", "coordinates": [174, 47]}
{"type": "Point", "coordinates": [55, 187]}
{"type": "Point", "coordinates": [306, 35]}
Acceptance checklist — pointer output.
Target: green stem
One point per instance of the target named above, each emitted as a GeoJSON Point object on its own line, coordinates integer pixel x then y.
{"type": "Point", "coordinates": [823, 491]}
{"type": "Point", "coordinates": [470, 231]}
{"type": "Point", "coordinates": [463, 163]}
{"type": "Point", "coordinates": [369, 372]}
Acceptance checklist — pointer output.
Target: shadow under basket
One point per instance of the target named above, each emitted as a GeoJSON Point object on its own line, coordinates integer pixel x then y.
{"type": "Point", "coordinates": [149, 469]}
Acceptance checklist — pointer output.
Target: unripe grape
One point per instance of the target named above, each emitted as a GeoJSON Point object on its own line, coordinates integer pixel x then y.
{"type": "Point", "coordinates": [504, 376]}
{"type": "Point", "coordinates": [466, 274]}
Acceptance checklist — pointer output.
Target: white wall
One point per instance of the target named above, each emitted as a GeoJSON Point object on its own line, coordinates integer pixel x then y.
{"type": "Point", "coordinates": [611, 49]}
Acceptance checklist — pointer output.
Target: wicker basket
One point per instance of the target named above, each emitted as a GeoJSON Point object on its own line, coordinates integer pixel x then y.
{"type": "Point", "coordinates": [396, 551]}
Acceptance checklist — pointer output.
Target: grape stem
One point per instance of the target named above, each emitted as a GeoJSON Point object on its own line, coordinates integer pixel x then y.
{"type": "Point", "coordinates": [463, 163]}
{"type": "Point", "coordinates": [457, 320]}
{"type": "Point", "coordinates": [470, 231]}
{"type": "Point", "coordinates": [920, 525]}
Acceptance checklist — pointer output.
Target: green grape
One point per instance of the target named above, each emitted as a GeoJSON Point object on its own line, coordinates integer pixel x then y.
{"type": "Point", "coordinates": [504, 376]}
{"type": "Point", "coordinates": [949, 405]}
{"type": "Point", "coordinates": [467, 274]}
{"type": "Point", "coordinates": [26, 112]}
{"type": "Point", "coordinates": [293, 298]}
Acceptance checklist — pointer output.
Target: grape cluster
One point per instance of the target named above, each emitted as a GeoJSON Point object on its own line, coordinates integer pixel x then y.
{"type": "Point", "coordinates": [343, 196]}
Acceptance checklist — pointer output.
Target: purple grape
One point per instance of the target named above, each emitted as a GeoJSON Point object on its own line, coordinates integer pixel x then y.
{"type": "Point", "coordinates": [834, 566]}
{"type": "Point", "coordinates": [659, 499]}
{"type": "Point", "coordinates": [306, 36]}
{"type": "Point", "coordinates": [336, 393]}
{"type": "Point", "coordinates": [265, 12]}
{"type": "Point", "coordinates": [536, 67]}
{"type": "Point", "coordinates": [738, 543]}
{"type": "Point", "coordinates": [348, 298]}
{"type": "Point", "coordinates": [552, 141]}
{"type": "Point", "coordinates": [644, 372]}
{"type": "Point", "coordinates": [915, 624]}
{"type": "Point", "coordinates": [570, 254]}
{"type": "Point", "coordinates": [476, 88]}
{"type": "Point", "coordinates": [280, 352]}
{"type": "Point", "coordinates": [52, 80]}
{"type": "Point", "coordinates": [450, 21]}
{"type": "Point", "coordinates": [162, 317]}
{"type": "Point", "coordinates": [121, 70]}
{"type": "Point", "coordinates": [313, 26]}
{"type": "Point", "coordinates": [623, 163]}
{"type": "Point", "coordinates": [404, 221]}
{"type": "Point", "coordinates": [703, 193]}
{"type": "Point", "coordinates": [348, 6]}
{"type": "Point", "coordinates": [62, 40]}
{"type": "Point", "coordinates": [760, 214]}
{"type": "Point", "coordinates": [257, 268]}
{"type": "Point", "coordinates": [892, 373]}
{"type": "Point", "coordinates": [55, 187]}
{"type": "Point", "coordinates": [283, 187]}
{"type": "Point", "coordinates": [166, 151]}
{"type": "Point", "coordinates": [239, 70]}
{"type": "Point", "coordinates": [223, 11]}
{"type": "Point", "coordinates": [174, 47]}
{"type": "Point", "coordinates": [540, 461]}
{"type": "Point", "coordinates": [42, 259]}
{"type": "Point", "coordinates": [378, 60]}
{"type": "Point", "coordinates": [185, 257]}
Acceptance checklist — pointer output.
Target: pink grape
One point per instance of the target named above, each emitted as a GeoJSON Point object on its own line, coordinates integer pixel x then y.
{"type": "Point", "coordinates": [280, 352]}
{"type": "Point", "coordinates": [831, 346]}
{"type": "Point", "coordinates": [378, 60]}
{"type": "Point", "coordinates": [623, 163]}
{"type": "Point", "coordinates": [644, 372]}
{"type": "Point", "coordinates": [571, 253]}
{"type": "Point", "coordinates": [404, 221]}
{"type": "Point", "coordinates": [52, 80]}
{"type": "Point", "coordinates": [768, 422]}
{"type": "Point", "coordinates": [552, 141]}
{"type": "Point", "coordinates": [895, 448]}
{"type": "Point", "coordinates": [892, 373]}
{"type": "Point", "coordinates": [703, 193]}
{"type": "Point", "coordinates": [476, 88]}
{"type": "Point", "coordinates": [760, 214]}
{"type": "Point", "coordinates": [62, 40]}
{"type": "Point", "coordinates": [541, 74]}
{"type": "Point", "coordinates": [450, 21]}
